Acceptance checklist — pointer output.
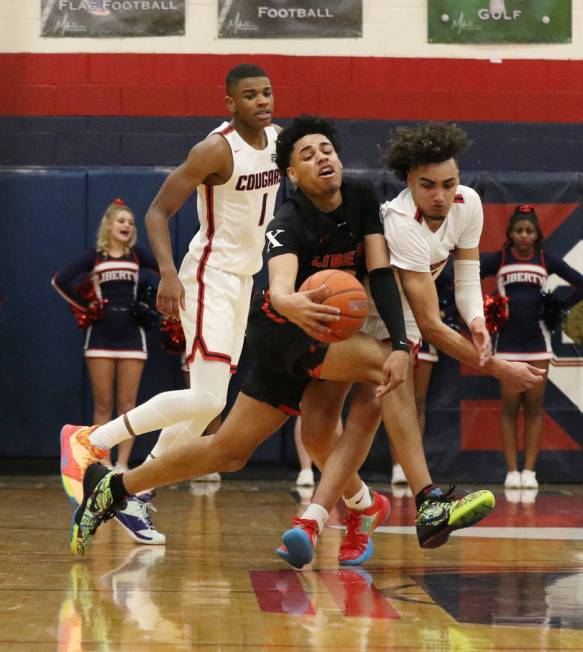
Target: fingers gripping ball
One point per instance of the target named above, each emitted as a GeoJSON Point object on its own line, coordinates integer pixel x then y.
{"type": "Point", "coordinates": [344, 291]}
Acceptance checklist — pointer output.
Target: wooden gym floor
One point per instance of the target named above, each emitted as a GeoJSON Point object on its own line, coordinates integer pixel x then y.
{"type": "Point", "coordinates": [513, 583]}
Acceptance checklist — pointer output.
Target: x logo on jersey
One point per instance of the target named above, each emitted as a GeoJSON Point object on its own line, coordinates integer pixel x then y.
{"type": "Point", "coordinates": [272, 239]}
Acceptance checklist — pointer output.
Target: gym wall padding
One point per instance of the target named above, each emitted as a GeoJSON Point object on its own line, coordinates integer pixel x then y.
{"type": "Point", "coordinates": [50, 215]}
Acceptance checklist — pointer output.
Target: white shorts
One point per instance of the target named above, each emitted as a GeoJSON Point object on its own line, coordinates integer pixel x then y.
{"type": "Point", "coordinates": [217, 307]}
{"type": "Point", "coordinates": [427, 352]}
{"type": "Point", "coordinates": [375, 326]}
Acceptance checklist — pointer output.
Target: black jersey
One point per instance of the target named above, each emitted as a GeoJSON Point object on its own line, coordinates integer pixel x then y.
{"type": "Point", "coordinates": [115, 280]}
{"type": "Point", "coordinates": [115, 283]}
{"type": "Point", "coordinates": [321, 240]}
{"type": "Point", "coordinates": [523, 336]}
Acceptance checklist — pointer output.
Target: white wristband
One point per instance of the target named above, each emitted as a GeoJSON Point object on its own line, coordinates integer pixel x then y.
{"type": "Point", "coordinates": [468, 291]}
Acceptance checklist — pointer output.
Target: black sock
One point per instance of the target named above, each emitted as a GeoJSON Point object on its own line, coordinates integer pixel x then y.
{"type": "Point", "coordinates": [422, 495]}
{"type": "Point", "coordinates": [118, 490]}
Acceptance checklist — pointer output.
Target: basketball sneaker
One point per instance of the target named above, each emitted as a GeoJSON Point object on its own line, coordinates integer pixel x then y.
{"type": "Point", "coordinates": [97, 506]}
{"type": "Point", "coordinates": [357, 547]}
{"type": "Point", "coordinates": [440, 514]}
{"type": "Point", "coordinates": [137, 522]}
{"type": "Point", "coordinates": [299, 542]}
{"type": "Point", "coordinates": [77, 453]}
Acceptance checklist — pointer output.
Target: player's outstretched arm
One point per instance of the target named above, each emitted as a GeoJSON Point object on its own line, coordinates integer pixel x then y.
{"type": "Point", "coordinates": [420, 291]}
{"type": "Point", "coordinates": [301, 308]}
{"type": "Point", "coordinates": [469, 300]}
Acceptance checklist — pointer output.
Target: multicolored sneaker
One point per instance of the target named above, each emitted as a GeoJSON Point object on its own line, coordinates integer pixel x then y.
{"type": "Point", "coordinates": [356, 547]}
{"type": "Point", "coordinates": [77, 453]}
{"type": "Point", "coordinates": [440, 514]}
{"type": "Point", "coordinates": [96, 507]}
{"type": "Point", "coordinates": [137, 522]}
{"type": "Point", "coordinates": [299, 542]}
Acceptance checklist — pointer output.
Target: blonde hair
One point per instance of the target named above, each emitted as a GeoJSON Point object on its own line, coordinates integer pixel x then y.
{"type": "Point", "coordinates": [104, 231]}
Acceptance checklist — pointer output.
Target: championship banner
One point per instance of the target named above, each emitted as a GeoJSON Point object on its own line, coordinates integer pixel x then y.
{"type": "Point", "coordinates": [499, 21]}
{"type": "Point", "coordinates": [290, 19]}
{"type": "Point", "coordinates": [112, 18]}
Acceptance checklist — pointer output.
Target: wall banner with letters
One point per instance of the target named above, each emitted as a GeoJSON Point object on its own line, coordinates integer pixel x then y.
{"type": "Point", "coordinates": [112, 18]}
{"type": "Point", "coordinates": [290, 19]}
{"type": "Point", "coordinates": [499, 21]}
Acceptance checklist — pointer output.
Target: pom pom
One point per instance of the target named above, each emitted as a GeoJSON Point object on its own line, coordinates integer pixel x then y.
{"type": "Point", "coordinates": [553, 309]}
{"type": "Point", "coordinates": [496, 312]}
{"type": "Point", "coordinates": [92, 313]}
{"type": "Point", "coordinates": [119, 202]}
{"type": "Point", "coordinates": [173, 340]}
{"type": "Point", "coordinates": [144, 307]}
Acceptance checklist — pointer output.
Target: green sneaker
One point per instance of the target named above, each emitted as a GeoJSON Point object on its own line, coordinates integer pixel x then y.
{"type": "Point", "coordinates": [97, 506]}
{"type": "Point", "coordinates": [440, 514]}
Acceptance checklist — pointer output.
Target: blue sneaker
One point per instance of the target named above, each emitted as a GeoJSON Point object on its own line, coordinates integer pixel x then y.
{"type": "Point", "coordinates": [299, 542]}
{"type": "Point", "coordinates": [137, 522]}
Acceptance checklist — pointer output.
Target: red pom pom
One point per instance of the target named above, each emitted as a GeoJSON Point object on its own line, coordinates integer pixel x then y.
{"type": "Point", "coordinates": [173, 339]}
{"type": "Point", "coordinates": [496, 312]}
{"type": "Point", "coordinates": [92, 313]}
{"type": "Point", "coordinates": [119, 202]}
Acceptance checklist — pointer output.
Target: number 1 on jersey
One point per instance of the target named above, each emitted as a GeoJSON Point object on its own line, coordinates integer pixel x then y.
{"type": "Point", "coordinates": [263, 208]}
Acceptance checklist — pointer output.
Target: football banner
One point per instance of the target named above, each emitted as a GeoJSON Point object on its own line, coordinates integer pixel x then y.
{"type": "Point", "coordinates": [112, 18]}
{"type": "Point", "coordinates": [290, 19]}
{"type": "Point", "coordinates": [499, 21]}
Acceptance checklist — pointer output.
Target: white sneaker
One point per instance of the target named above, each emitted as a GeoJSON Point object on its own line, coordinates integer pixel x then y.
{"type": "Point", "coordinates": [209, 477]}
{"type": "Point", "coordinates": [401, 491]}
{"type": "Point", "coordinates": [136, 521]}
{"type": "Point", "coordinates": [513, 480]}
{"type": "Point", "coordinates": [203, 488]}
{"type": "Point", "coordinates": [398, 477]}
{"type": "Point", "coordinates": [529, 480]}
{"type": "Point", "coordinates": [512, 495]}
{"type": "Point", "coordinates": [305, 478]}
{"type": "Point", "coordinates": [528, 496]}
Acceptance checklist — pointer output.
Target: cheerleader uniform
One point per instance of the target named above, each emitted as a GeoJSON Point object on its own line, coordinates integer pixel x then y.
{"type": "Point", "coordinates": [115, 283]}
{"type": "Point", "coordinates": [524, 336]}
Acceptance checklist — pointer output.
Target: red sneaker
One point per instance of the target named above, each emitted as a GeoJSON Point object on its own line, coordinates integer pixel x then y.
{"type": "Point", "coordinates": [357, 546]}
{"type": "Point", "coordinates": [77, 453]}
{"type": "Point", "coordinates": [299, 542]}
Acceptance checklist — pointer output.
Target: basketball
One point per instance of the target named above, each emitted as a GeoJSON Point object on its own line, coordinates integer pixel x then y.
{"type": "Point", "coordinates": [346, 293]}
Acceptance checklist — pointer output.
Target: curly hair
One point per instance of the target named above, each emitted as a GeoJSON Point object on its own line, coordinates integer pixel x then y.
{"type": "Point", "coordinates": [301, 126]}
{"type": "Point", "coordinates": [520, 213]}
{"type": "Point", "coordinates": [413, 147]}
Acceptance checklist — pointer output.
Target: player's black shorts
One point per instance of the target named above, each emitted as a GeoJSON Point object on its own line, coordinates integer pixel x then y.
{"type": "Point", "coordinates": [285, 358]}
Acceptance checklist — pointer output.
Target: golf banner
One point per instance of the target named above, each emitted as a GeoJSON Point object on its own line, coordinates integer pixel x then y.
{"type": "Point", "coordinates": [499, 21]}
{"type": "Point", "coordinates": [111, 18]}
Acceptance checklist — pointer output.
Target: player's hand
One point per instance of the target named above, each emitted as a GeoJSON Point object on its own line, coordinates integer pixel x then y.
{"type": "Point", "coordinates": [481, 339]}
{"type": "Point", "coordinates": [395, 371]}
{"type": "Point", "coordinates": [306, 310]}
{"type": "Point", "coordinates": [519, 376]}
{"type": "Point", "coordinates": [170, 296]}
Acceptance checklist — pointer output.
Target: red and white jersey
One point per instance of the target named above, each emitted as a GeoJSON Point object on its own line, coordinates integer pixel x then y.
{"type": "Point", "coordinates": [413, 246]}
{"type": "Point", "coordinates": [234, 215]}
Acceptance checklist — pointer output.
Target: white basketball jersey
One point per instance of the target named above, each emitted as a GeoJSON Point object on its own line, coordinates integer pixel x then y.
{"type": "Point", "coordinates": [234, 215]}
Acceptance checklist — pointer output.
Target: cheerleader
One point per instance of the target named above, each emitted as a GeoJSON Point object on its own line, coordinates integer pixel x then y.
{"type": "Point", "coordinates": [115, 345]}
{"type": "Point", "coordinates": [521, 270]}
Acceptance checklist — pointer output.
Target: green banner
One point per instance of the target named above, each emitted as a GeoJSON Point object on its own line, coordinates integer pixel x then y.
{"type": "Point", "coordinates": [499, 21]}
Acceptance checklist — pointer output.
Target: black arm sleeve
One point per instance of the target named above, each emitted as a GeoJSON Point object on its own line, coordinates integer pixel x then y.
{"type": "Point", "coordinates": [387, 298]}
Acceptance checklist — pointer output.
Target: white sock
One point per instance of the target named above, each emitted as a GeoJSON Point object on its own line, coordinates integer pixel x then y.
{"type": "Point", "coordinates": [316, 513]}
{"type": "Point", "coordinates": [361, 500]}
